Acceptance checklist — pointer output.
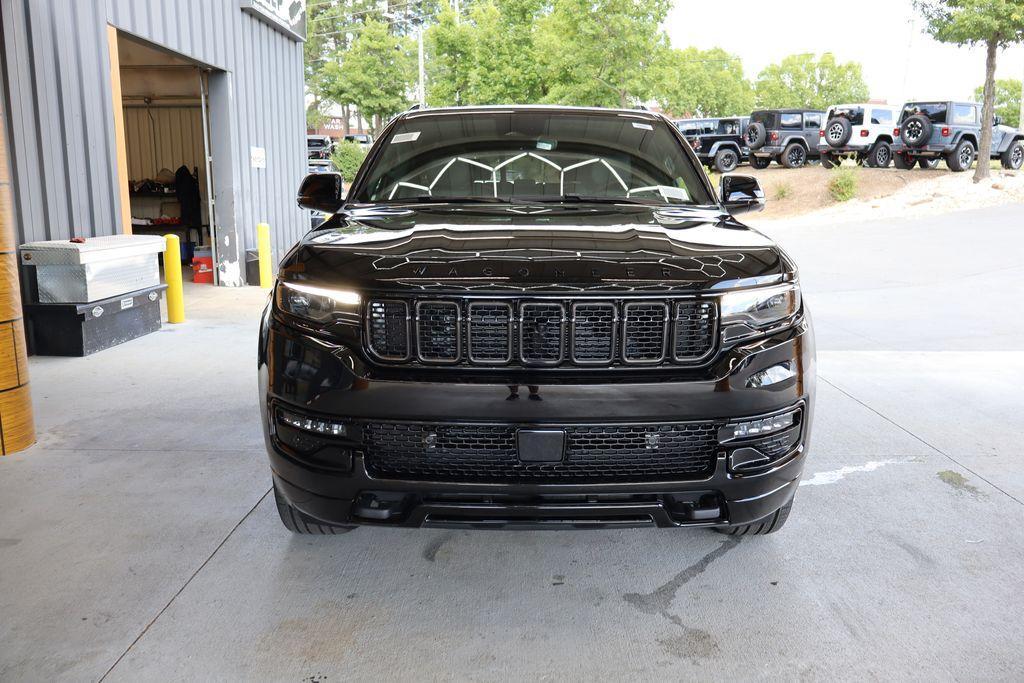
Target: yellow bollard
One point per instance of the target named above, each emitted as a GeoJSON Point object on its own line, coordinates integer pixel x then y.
{"type": "Point", "coordinates": [172, 273]}
{"type": "Point", "coordinates": [263, 245]}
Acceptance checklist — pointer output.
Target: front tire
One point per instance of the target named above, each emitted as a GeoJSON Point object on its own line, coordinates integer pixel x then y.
{"type": "Point", "coordinates": [1013, 157]}
{"type": "Point", "coordinates": [299, 522]}
{"type": "Point", "coordinates": [726, 160]}
{"type": "Point", "coordinates": [794, 156]}
{"type": "Point", "coordinates": [761, 527]}
{"type": "Point", "coordinates": [961, 158]}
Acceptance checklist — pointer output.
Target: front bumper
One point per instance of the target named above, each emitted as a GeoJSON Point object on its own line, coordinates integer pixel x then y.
{"type": "Point", "coordinates": [312, 377]}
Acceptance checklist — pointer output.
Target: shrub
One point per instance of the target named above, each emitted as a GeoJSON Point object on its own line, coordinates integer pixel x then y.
{"type": "Point", "coordinates": [783, 190]}
{"type": "Point", "coordinates": [347, 158]}
{"type": "Point", "coordinates": [843, 184]}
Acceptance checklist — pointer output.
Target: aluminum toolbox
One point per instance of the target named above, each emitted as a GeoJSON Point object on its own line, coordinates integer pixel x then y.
{"type": "Point", "coordinates": [98, 268]}
{"type": "Point", "coordinates": [82, 329]}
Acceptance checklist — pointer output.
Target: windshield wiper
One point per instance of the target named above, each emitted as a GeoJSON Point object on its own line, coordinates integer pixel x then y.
{"type": "Point", "coordinates": [585, 199]}
{"type": "Point", "coordinates": [428, 199]}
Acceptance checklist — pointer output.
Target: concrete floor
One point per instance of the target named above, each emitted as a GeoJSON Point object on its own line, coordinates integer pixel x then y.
{"type": "Point", "coordinates": [137, 540]}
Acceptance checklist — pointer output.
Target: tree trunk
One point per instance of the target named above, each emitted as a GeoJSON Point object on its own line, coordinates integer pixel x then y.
{"type": "Point", "coordinates": [981, 171]}
{"type": "Point", "coordinates": [346, 114]}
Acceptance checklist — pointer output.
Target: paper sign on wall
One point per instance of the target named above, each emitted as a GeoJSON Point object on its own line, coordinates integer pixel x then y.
{"type": "Point", "coordinates": [258, 157]}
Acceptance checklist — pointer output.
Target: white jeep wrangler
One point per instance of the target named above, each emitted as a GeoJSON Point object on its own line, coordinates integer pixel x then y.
{"type": "Point", "coordinates": [862, 132]}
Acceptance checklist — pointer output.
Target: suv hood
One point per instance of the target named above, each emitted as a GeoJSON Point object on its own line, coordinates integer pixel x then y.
{"type": "Point", "coordinates": [535, 248]}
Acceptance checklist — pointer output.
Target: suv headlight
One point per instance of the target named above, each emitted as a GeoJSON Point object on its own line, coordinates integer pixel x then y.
{"type": "Point", "coordinates": [320, 304]}
{"type": "Point", "coordinates": [755, 311]}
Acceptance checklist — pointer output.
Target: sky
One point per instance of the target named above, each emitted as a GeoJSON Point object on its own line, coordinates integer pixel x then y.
{"type": "Point", "coordinates": [886, 36]}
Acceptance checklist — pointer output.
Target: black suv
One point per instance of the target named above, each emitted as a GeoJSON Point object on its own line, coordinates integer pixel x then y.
{"type": "Point", "coordinates": [722, 146]}
{"type": "Point", "coordinates": [789, 136]}
{"type": "Point", "coordinates": [929, 131]}
{"type": "Point", "coordinates": [535, 316]}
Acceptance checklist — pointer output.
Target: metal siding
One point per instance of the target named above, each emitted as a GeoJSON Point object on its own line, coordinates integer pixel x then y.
{"type": "Point", "coordinates": [58, 94]}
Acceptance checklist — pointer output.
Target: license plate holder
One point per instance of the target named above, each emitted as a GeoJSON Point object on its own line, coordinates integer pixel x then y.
{"type": "Point", "coordinates": [540, 445]}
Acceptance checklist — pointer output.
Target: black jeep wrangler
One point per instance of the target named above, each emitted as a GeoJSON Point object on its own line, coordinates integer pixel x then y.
{"type": "Point", "coordinates": [789, 136]}
{"type": "Point", "coordinates": [929, 131]}
{"type": "Point", "coordinates": [724, 147]}
{"type": "Point", "coordinates": [535, 317]}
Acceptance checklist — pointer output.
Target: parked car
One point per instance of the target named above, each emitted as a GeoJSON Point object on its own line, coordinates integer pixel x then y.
{"type": "Point", "coordinates": [929, 131]}
{"type": "Point", "coordinates": [319, 146]}
{"type": "Point", "coordinates": [535, 317]}
{"type": "Point", "coordinates": [724, 147]}
{"type": "Point", "coordinates": [862, 132]}
{"type": "Point", "coordinates": [364, 139]}
{"type": "Point", "coordinates": [789, 136]}
{"type": "Point", "coordinates": [693, 127]}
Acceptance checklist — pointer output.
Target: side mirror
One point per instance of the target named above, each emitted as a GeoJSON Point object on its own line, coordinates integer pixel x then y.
{"type": "Point", "coordinates": [741, 193]}
{"type": "Point", "coordinates": [322, 192]}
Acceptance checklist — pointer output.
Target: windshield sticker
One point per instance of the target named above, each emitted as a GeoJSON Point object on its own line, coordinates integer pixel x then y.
{"type": "Point", "coordinates": [643, 126]}
{"type": "Point", "coordinates": [405, 137]}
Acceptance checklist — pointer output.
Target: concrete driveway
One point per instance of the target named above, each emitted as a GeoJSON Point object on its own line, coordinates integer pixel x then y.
{"type": "Point", "coordinates": [137, 539]}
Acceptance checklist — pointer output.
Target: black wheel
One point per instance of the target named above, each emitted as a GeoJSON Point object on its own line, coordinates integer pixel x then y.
{"type": "Point", "coordinates": [880, 155]}
{"type": "Point", "coordinates": [726, 160]}
{"type": "Point", "coordinates": [830, 161]}
{"type": "Point", "coordinates": [299, 522]}
{"type": "Point", "coordinates": [928, 164]}
{"type": "Point", "coordinates": [768, 525]}
{"type": "Point", "coordinates": [1013, 158]}
{"type": "Point", "coordinates": [759, 162]}
{"type": "Point", "coordinates": [838, 131]}
{"type": "Point", "coordinates": [756, 135]}
{"type": "Point", "coordinates": [903, 161]}
{"type": "Point", "coordinates": [794, 156]}
{"type": "Point", "coordinates": [916, 130]}
{"type": "Point", "coordinates": [961, 158]}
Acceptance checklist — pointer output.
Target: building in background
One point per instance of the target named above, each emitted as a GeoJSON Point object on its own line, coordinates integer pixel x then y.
{"type": "Point", "coordinates": [151, 116]}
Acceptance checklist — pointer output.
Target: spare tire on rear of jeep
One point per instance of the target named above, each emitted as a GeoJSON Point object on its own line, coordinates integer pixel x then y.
{"type": "Point", "coordinates": [916, 130]}
{"type": "Point", "coordinates": [838, 131]}
{"type": "Point", "coordinates": [756, 135]}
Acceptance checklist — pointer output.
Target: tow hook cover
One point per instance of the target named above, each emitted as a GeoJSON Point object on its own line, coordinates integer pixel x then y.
{"type": "Point", "coordinates": [540, 445]}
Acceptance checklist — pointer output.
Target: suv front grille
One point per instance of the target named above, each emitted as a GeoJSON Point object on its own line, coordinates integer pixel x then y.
{"type": "Point", "coordinates": [487, 453]}
{"type": "Point", "coordinates": [539, 333]}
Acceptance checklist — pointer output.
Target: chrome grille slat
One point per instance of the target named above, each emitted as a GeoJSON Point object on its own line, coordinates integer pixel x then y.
{"type": "Point", "coordinates": [645, 331]}
{"type": "Point", "coordinates": [593, 332]}
{"type": "Point", "coordinates": [438, 331]}
{"type": "Point", "coordinates": [387, 325]}
{"type": "Point", "coordinates": [541, 333]}
{"type": "Point", "coordinates": [548, 332]}
{"type": "Point", "coordinates": [490, 332]}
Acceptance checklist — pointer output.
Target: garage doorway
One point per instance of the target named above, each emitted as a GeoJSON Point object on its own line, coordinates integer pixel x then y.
{"type": "Point", "coordinates": [166, 123]}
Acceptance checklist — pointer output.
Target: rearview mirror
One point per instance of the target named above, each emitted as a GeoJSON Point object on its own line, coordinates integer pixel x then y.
{"type": "Point", "coordinates": [322, 192]}
{"type": "Point", "coordinates": [741, 193]}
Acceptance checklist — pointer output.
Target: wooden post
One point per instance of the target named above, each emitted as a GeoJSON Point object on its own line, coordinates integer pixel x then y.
{"type": "Point", "coordinates": [17, 425]}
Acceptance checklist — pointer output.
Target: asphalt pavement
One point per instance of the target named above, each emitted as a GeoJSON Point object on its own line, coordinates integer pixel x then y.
{"type": "Point", "coordinates": [138, 540]}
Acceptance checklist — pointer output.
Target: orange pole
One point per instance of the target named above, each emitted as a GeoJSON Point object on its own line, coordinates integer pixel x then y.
{"type": "Point", "coordinates": [17, 425]}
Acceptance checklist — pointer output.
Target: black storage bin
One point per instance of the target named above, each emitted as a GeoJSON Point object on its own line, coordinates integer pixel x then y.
{"type": "Point", "coordinates": [81, 329]}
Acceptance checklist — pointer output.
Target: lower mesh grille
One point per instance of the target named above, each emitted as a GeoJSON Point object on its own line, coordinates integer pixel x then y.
{"type": "Point", "coordinates": [487, 453]}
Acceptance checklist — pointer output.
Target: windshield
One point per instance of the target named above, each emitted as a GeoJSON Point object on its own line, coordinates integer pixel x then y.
{"type": "Point", "coordinates": [534, 156]}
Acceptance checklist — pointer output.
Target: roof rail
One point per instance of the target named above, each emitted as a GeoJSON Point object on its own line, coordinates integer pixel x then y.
{"type": "Point", "coordinates": [416, 107]}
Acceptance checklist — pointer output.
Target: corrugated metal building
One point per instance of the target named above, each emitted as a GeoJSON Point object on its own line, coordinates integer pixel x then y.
{"type": "Point", "coordinates": [104, 93]}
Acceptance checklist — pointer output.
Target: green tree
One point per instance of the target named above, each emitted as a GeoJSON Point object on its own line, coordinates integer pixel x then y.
{"type": "Point", "coordinates": [994, 23]}
{"type": "Point", "coordinates": [694, 82]}
{"type": "Point", "coordinates": [347, 157]}
{"type": "Point", "coordinates": [376, 73]}
{"type": "Point", "coordinates": [1007, 100]}
{"type": "Point", "coordinates": [487, 58]}
{"type": "Point", "coordinates": [601, 52]}
{"type": "Point", "coordinates": [806, 81]}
